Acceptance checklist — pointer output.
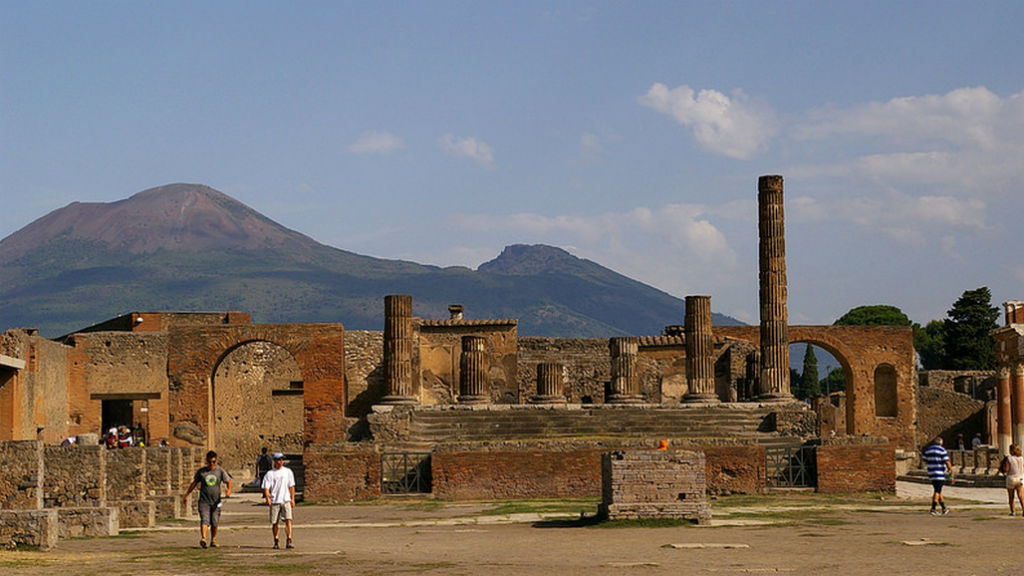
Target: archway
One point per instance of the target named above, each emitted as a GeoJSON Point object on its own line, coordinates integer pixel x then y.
{"type": "Point", "coordinates": [257, 401]}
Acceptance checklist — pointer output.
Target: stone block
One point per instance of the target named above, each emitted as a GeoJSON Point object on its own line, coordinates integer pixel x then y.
{"type": "Point", "coordinates": [28, 528]}
{"type": "Point", "coordinates": [21, 484]}
{"type": "Point", "coordinates": [654, 484]}
{"type": "Point", "coordinates": [135, 513]}
{"type": "Point", "coordinates": [87, 521]}
{"type": "Point", "coordinates": [167, 506]}
{"type": "Point", "coordinates": [75, 476]}
{"type": "Point", "coordinates": [126, 474]}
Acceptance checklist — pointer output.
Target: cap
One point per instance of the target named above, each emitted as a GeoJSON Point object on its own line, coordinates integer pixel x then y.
{"type": "Point", "coordinates": [278, 456]}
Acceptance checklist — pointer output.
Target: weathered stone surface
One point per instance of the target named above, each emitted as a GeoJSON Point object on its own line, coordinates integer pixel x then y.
{"type": "Point", "coordinates": [88, 522]}
{"type": "Point", "coordinates": [126, 474]}
{"type": "Point", "coordinates": [515, 474]}
{"type": "Point", "coordinates": [21, 484]}
{"type": "Point", "coordinates": [75, 476]}
{"type": "Point", "coordinates": [341, 473]}
{"type": "Point", "coordinates": [654, 484]}
{"type": "Point", "coordinates": [28, 528]}
{"type": "Point", "coordinates": [135, 513]}
{"type": "Point", "coordinates": [856, 465]}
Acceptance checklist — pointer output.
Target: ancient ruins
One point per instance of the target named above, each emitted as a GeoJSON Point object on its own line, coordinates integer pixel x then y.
{"type": "Point", "coordinates": [457, 407]}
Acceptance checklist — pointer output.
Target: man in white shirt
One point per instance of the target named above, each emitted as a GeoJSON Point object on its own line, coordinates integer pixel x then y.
{"type": "Point", "coordinates": [279, 494]}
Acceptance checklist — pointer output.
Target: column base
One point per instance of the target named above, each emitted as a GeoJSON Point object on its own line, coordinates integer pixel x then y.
{"type": "Point", "coordinates": [776, 397]}
{"type": "Point", "coordinates": [625, 399]}
{"type": "Point", "coordinates": [473, 399]}
{"type": "Point", "coordinates": [395, 400]}
{"type": "Point", "coordinates": [701, 399]}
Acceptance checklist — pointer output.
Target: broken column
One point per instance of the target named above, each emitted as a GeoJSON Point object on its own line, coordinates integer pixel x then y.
{"type": "Point", "coordinates": [623, 387]}
{"type": "Point", "coordinates": [774, 377]}
{"type": "Point", "coordinates": [473, 367]}
{"type": "Point", "coordinates": [550, 383]}
{"type": "Point", "coordinates": [700, 351]}
{"type": "Point", "coordinates": [398, 344]}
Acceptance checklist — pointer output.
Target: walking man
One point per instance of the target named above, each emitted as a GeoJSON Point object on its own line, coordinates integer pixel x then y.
{"type": "Point", "coordinates": [279, 494]}
{"type": "Point", "coordinates": [209, 479]}
{"type": "Point", "coordinates": [937, 460]}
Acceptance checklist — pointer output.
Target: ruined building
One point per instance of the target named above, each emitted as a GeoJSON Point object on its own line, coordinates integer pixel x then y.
{"type": "Point", "coordinates": [465, 408]}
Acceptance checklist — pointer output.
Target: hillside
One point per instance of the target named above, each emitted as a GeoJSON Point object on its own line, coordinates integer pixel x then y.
{"type": "Point", "coordinates": [189, 247]}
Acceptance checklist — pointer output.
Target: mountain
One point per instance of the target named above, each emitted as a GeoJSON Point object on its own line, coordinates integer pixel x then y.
{"type": "Point", "coordinates": [189, 247]}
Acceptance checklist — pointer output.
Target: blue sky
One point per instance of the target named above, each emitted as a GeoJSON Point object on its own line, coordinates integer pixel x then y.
{"type": "Point", "coordinates": [631, 134]}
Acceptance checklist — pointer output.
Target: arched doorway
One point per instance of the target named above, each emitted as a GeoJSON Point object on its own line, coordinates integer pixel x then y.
{"type": "Point", "coordinates": [257, 401]}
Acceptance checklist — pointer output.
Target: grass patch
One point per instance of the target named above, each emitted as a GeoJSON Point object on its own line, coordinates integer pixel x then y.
{"type": "Point", "coordinates": [566, 506]}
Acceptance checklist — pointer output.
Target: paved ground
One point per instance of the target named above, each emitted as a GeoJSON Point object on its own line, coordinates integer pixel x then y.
{"type": "Point", "coordinates": [796, 533]}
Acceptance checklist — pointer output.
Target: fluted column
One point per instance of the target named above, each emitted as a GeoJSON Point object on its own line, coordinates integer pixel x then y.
{"type": "Point", "coordinates": [1017, 402]}
{"type": "Point", "coordinates": [1004, 412]}
{"type": "Point", "coordinates": [623, 387]}
{"type": "Point", "coordinates": [473, 367]}
{"type": "Point", "coordinates": [398, 344]}
{"type": "Point", "coordinates": [774, 380]}
{"type": "Point", "coordinates": [700, 351]}
{"type": "Point", "coordinates": [550, 384]}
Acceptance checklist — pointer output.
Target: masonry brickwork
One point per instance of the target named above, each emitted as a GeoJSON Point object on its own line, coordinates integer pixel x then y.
{"type": "Point", "coordinates": [654, 484]}
{"type": "Point", "coordinates": [855, 465]}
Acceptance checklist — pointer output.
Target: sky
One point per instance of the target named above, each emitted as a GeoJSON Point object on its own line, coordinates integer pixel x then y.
{"type": "Point", "coordinates": [629, 133]}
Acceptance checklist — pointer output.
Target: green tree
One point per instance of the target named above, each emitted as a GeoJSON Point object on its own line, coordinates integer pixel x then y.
{"type": "Point", "coordinates": [930, 343]}
{"type": "Point", "coordinates": [968, 344]}
{"type": "Point", "coordinates": [874, 315]}
{"type": "Point", "coordinates": [835, 381]}
{"type": "Point", "coordinates": [809, 386]}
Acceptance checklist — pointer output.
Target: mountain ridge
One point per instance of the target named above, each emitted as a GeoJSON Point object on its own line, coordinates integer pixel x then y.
{"type": "Point", "coordinates": [191, 247]}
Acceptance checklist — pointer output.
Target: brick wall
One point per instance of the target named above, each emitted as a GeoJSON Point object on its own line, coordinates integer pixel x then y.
{"type": "Point", "coordinates": [75, 476]}
{"type": "Point", "coordinates": [735, 469]}
{"type": "Point", "coordinates": [654, 484]}
{"type": "Point", "coordinates": [21, 484]}
{"type": "Point", "coordinates": [856, 467]}
{"type": "Point", "coordinates": [516, 474]}
{"type": "Point", "coordinates": [341, 473]}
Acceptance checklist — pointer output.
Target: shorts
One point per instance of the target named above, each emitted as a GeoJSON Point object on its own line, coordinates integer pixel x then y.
{"type": "Point", "coordinates": [209, 513]}
{"type": "Point", "coordinates": [1013, 482]}
{"type": "Point", "coordinates": [282, 511]}
{"type": "Point", "coordinates": [937, 485]}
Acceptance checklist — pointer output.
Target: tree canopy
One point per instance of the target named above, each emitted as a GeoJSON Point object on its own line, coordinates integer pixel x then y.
{"type": "Point", "coordinates": [874, 315]}
{"type": "Point", "coordinates": [965, 332]}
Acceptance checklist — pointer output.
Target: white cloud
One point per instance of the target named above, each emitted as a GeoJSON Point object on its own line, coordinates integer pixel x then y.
{"type": "Point", "coordinates": [590, 143]}
{"type": "Point", "coordinates": [735, 127]}
{"type": "Point", "coordinates": [468, 147]}
{"type": "Point", "coordinates": [376, 143]}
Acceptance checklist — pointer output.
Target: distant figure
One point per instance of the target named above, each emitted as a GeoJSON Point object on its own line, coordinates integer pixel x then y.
{"type": "Point", "coordinates": [279, 494]}
{"type": "Point", "coordinates": [263, 464]}
{"type": "Point", "coordinates": [69, 441]}
{"type": "Point", "coordinates": [209, 479]}
{"type": "Point", "coordinates": [139, 435]}
{"type": "Point", "coordinates": [976, 441]}
{"type": "Point", "coordinates": [163, 442]}
{"type": "Point", "coordinates": [1013, 467]}
{"type": "Point", "coordinates": [124, 437]}
{"type": "Point", "coordinates": [960, 442]}
{"type": "Point", "coordinates": [937, 460]}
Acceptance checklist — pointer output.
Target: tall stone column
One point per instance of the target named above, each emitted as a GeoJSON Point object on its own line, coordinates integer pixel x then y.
{"type": "Point", "coordinates": [473, 367]}
{"type": "Point", "coordinates": [623, 388]}
{"type": "Point", "coordinates": [1004, 412]}
{"type": "Point", "coordinates": [1017, 402]}
{"type": "Point", "coordinates": [774, 380]}
{"type": "Point", "coordinates": [398, 343]}
{"type": "Point", "coordinates": [550, 384]}
{"type": "Point", "coordinates": [700, 351]}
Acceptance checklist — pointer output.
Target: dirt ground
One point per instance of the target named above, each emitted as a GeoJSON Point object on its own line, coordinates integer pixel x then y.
{"type": "Point", "coordinates": [793, 533]}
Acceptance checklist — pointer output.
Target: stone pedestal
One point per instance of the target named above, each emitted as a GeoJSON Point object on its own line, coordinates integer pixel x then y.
{"type": "Point", "coordinates": [654, 484]}
{"type": "Point", "coordinates": [473, 368]}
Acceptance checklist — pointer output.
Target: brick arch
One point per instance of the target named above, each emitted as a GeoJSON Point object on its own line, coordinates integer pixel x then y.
{"type": "Point", "coordinates": [863, 349]}
{"type": "Point", "coordinates": [319, 350]}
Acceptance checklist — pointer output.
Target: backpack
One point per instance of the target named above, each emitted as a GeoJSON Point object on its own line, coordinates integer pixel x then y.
{"type": "Point", "coordinates": [1004, 466]}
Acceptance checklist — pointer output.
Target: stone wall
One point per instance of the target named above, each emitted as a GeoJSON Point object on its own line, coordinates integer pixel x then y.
{"type": "Point", "coordinates": [341, 473]}
{"type": "Point", "coordinates": [364, 371]}
{"type": "Point", "coordinates": [946, 413]}
{"type": "Point", "coordinates": [158, 470]}
{"type": "Point", "coordinates": [21, 484]}
{"type": "Point", "coordinates": [654, 484]}
{"type": "Point", "coordinates": [75, 476]}
{"type": "Point", "coordinates": [735, 469]}
{"type": "Point", "coordinates": [88, 522]}
{"type": "Point", "coordinates": [587, 363]}
{"type": "Point", "coordinates": [856, 465]}
{"type": "Point", "coordinates": [436, 365]}
{"type": "Point", "coordinates": [37, 528]}
{"type": "Point", "coordinates": [515, 474]}
{"type": "Point", "coordinates": [959, 381]}
{"type": "Point", "coordinates": [126, 474]}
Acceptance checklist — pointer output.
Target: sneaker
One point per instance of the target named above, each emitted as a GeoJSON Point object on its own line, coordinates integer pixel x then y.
{"type": "Point", "coordinates": [276, 546]}
{"type": "Point", "coordinates": [1011, 513]}
{"type": "Point", "coordinates": [202, 543]}
{"type": "Point", "coordinates": [213, 543]}
{"type": "Point", "coordinates": [289, 544]}
{"type": "Point", "coordinates": [934, 512]}
{"type": "Point", "coordinates": [945, 511]}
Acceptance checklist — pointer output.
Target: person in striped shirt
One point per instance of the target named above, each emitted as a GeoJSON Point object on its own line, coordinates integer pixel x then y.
{"type": "Point", "coordinates": [936, 459]}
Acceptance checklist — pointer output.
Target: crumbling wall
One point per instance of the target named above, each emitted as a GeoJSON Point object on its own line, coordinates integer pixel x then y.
{"type": "Point", "coordinates": [654, 484]}
{"type": "Point", "coordinates": [21, 484]}
{"type": "Point", "coordinates": [75, 476]}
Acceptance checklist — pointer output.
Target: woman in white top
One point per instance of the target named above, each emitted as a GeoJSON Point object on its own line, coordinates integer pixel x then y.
{"type": "Point", "coordinates": [1015, 477]}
